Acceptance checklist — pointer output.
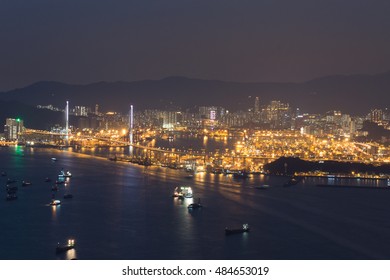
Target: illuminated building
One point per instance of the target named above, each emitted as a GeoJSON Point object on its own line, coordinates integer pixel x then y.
{"type": "Point", "coordinates": [376, 116]}
{"type": "Point", "coordinates": [12, 129]}
{"type": "Point", "coordinates": [257, 105]}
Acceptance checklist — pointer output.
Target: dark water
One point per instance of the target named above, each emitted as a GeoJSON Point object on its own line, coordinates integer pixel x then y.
{"type": "Point", "coordinates": [124, 211]}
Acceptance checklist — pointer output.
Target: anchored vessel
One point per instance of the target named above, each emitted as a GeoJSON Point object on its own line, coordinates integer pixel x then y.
{"type": "Point", "coordinates": [182, 192]}
{"type": "Point", "coordinates": [195, 205]}
{"type": "Point", "coordinates": [244, 228]}
{"type": "Point", "coordinates": [63, 248]}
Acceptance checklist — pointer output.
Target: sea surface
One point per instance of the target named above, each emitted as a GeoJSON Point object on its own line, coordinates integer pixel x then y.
{"type": "Point", "coordinates": [122, 211]}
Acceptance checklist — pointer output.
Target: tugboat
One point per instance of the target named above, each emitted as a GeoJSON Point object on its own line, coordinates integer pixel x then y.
{"type": "Point", "coordinates": [244, 228]}
{"type": "Point", "coordinates": [63, 248]}
{"type": "Point", "coordinates": [195, 205]}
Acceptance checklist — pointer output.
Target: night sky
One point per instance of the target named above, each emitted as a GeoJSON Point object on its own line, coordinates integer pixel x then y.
{"type": "Point", "coordinates": [83, 41]}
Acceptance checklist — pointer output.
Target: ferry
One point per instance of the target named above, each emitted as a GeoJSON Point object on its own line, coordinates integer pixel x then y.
{"type": "Point", "coordinates": [63, 248]}
{"type": "Point", "coordinates": [244, 228]}
{"type": "Point", "coordinates": [183, 192]}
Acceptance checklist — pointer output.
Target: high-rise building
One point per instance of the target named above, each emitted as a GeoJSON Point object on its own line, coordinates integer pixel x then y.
{"type": "Point", "coordinates": [278, 115]}
{"type": "Point", "coordinates": [257, 105]}
{"type": "Point", "coordinates": [211, 112]}
{"type": "Point", "coordinates": [12, 129]}
{"type": "Point", "coordinates": [81, 111]}
{"type": "Point", "coordinates": [376, 115]}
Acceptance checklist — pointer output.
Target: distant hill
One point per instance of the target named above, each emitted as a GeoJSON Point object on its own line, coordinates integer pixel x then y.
{"type": "Point", "coordinates": [355, 94]}
{"type": "Point", "coordinates": [32, 117]}
{"type": "Point", "coordinates": [293, 165]}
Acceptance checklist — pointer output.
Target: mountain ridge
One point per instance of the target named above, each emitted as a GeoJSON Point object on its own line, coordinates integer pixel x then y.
{"type": "Point", "coordinates": [355, 94]}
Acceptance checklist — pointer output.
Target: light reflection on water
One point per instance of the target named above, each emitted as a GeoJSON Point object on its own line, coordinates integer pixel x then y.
{"type": "Point", "coordinates": [71, 254]}
{"type": "Point", "coordinates": [132, 210]}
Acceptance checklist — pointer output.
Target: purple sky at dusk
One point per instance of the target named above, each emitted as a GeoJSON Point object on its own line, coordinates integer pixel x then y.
{"type": "Point", "coordinates": [83, 41]}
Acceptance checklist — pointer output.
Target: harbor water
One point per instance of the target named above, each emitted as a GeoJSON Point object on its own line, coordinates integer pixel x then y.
{"type": "Point", "coordinates": [122, 211]}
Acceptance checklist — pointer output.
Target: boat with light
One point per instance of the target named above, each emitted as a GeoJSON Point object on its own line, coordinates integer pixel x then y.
{"type": "Point", "coordinates": [64, 174]}
{"type": "Point", "coordinates": [63, 248]}
{"type": "Point", "coordinates": [26, 183]}
{"type": "Point", "coordinates": [55, 202]}
{"type": "Point", "coordinates": [183, 192]}
{"type": "Point", "coordinates": [195, 205]}
{"type": "Point", "coordinates": [244, 228]}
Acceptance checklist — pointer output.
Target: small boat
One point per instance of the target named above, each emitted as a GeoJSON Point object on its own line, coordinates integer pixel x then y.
{"type": "Point", "coordinates": [11, 196]}
{"type": "Point", "coordinates": [63, 248]}
{"type": "Point", "coordinates": [11, 188]}
{"type": "Point", "coordinates": [195, 205]}
{"type": "Point", "coordinates": [292, 182]}
{"type": "Point", "coordinates": [11, 181]}
{"type": "Point", "coordinates": [241, 174]}
{"type": "Point", "coordinates": [54, 159]}
{"type": "Point", "coordinates": [55, 202]}
{"type": "Point", "coordinates": [68, 195]}
{"type": "Point", "coordinates": [26, 183]}
{"type": "Point", "coordinates": [3, 174]}
{"type": "Point", "coordinates": [189, 176]}
{"type": "Point", "coordinates": [262, 187]}
{"type": "Point", "coordinates": [244, 228]}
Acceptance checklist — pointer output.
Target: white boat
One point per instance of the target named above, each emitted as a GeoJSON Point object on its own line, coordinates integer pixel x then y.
{"type": "Point", "coordinates": [183, 192]}
{"type": "Point", "coordinates": [64, 174]}
{"type": "Point", "coordinates": [55, 202]}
